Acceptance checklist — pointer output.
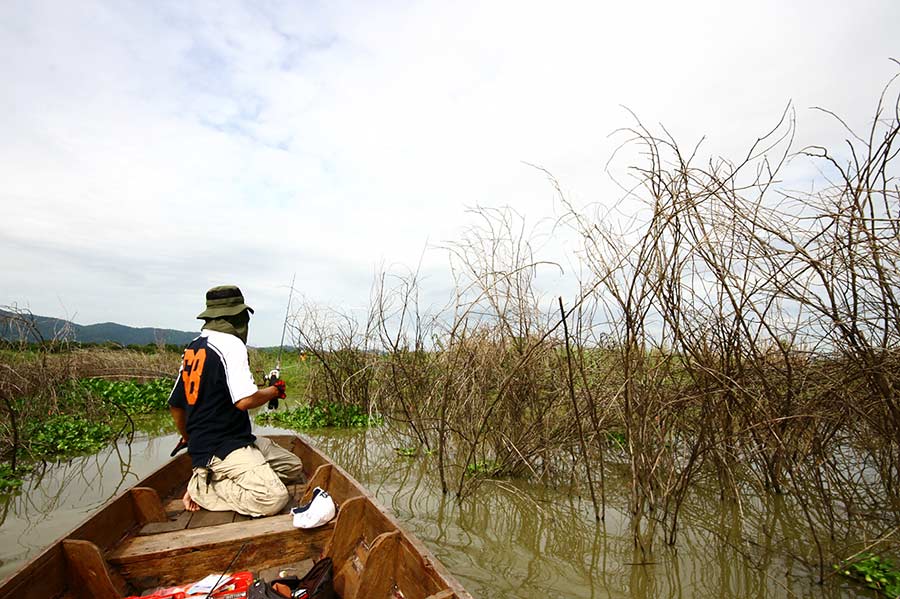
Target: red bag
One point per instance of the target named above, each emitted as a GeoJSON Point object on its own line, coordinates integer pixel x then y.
{"type": "Point", "coordinates": [232, 586]}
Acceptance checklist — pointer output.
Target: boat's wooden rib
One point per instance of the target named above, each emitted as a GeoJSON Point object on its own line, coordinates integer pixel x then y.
{"type": "Point", "coordinates": [381, 558]}
{"type": "Point", "coordinates": [143, 538]}
{"type": "Point", "coordinates": [147, 505]}
{"type": "Point", "coordinates": [88, 570]}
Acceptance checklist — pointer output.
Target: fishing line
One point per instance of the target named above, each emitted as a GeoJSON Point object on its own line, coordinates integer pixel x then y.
{"type": "Point", "coordinates": [287, 313]}
{"type": "Point", "coordinates": [227, 568]}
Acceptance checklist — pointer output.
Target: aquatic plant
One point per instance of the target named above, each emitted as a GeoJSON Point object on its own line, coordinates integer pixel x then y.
{"type": "Point", "coordinates": [132, 396]}
{"type": "Point", "coordinates": [320, 415]}
{"type": "Point", "coordinates": [11, 481]}
{"type": "Point", "coordinates": [55, 402]}
{"type": "Point", "coordinates": [65, 435]}
{"type": "Point", "coordinates": [875, 572]}
{"type": "Point", "coordinates": [483, 468]}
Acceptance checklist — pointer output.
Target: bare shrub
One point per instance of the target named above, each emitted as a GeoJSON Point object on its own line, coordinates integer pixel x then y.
{"type": "Point", "coordinates": [733, 333]}
{"type": "Point", "coordinates": [343, 372]}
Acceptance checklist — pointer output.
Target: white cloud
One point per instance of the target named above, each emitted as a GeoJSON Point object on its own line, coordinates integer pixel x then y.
{"type": "Point", "coordinates": [152, 150]}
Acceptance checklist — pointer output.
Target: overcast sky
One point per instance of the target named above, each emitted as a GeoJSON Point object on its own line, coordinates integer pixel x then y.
{"type": "Point", "coordinates": [150, 150]}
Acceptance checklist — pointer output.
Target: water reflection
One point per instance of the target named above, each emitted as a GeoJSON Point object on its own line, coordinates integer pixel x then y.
{"type": "Point", "coordinates": [511, 539]}
{"type": "Point", "coordinates": [514, 539]}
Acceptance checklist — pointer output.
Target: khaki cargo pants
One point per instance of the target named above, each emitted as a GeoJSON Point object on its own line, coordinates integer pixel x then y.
{"type": "Point", "coordinates": [248, 480]}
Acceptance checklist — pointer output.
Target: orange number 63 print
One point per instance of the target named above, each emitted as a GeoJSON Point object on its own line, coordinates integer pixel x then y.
{"type": "Point", "coordinates": [191, 372]}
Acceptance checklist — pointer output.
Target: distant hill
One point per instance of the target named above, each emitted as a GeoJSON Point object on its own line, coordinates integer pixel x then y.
{"type": "Point", "coordinates": [48, 327]}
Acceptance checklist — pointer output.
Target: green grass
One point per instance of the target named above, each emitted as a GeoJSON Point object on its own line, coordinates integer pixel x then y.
{"type": "Point", "coordinates": [617, 439]}
{"type": "Point", "coordinates": [413, 451]}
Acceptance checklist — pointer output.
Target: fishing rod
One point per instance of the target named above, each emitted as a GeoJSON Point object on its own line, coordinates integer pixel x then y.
{"type": "Point", "coordinates": [227, 568]}
{"type": "Point", "coordinates": [287, 313]}
{"type": "Point", "coordinates": [276, 373]}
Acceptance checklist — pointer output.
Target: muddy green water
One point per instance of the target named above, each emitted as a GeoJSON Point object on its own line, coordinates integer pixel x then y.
{"type": "Point", "coordinates": [511, 539]}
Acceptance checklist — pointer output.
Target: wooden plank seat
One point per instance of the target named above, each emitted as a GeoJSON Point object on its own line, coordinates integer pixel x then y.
{"type": "Point", "coordinates": [171, 557]}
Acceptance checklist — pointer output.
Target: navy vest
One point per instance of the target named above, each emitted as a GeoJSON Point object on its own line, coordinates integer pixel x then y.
{"type": "Point", "coordinates": [215, 426]}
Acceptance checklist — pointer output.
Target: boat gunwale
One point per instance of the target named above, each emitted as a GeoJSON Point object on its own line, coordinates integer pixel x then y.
{"type": "Point", "coordinates": [178, 468]}
{"type": "Point", "coordinates": [415, 543]}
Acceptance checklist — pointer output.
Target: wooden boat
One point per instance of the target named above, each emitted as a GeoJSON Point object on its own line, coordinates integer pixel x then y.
{"type": "Point", "coordinates": [144, 539]}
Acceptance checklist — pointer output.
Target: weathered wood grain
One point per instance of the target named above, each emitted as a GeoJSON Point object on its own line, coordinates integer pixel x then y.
{"type": "Point", "coordinates": [378, 577]}
{"type": "Point", "coordinates": [178, 522]}
{"type": "Point", "coordinates": [207, 518]}
{"type": "Point", "coordinates": [173, 557]}
{"type": "Point", "coordinates": [415, 575]}
{"type": "Point", "coordinates": [88, 574]}
{"type": "Point", "coordinates": [147, 505]}
{"type": "Point", "coordinates": [170, 477]}
{"type": "Point", "coordinates": [310, 456]}
{"type": "Point", "coordinates": [320, 478]}
{"type": "Point", "coordinates": [348, 534]}
{"type": "Point", "coordinates": [173, 505]}
{"type": "Point", "coordinates": [290, 569]}
{"type": "Point", "coordinates": [110, 524]}
{"type": "Point", "coordinates": [43, 576]}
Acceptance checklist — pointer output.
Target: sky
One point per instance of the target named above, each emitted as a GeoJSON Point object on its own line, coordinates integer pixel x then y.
{"type": "Point", "coordinates": [151, 150]}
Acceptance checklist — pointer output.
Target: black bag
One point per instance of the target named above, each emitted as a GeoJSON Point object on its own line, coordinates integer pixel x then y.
{"type": "Point", "coordinates": [319, 581]}
{"type": "Point", "coordinates": [318, 584]}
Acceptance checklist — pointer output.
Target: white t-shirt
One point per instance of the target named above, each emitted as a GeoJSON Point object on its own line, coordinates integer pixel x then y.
{"type": "Point", "coordinates": [233, 354]}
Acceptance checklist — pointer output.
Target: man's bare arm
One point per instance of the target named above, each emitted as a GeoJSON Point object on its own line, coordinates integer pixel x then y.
{"type": "Point", "coordinates": [180, 418]}
{"type": "Point", "coordinates": [261, 397]}
{"type": "Point", "coordinates": [179, 415]}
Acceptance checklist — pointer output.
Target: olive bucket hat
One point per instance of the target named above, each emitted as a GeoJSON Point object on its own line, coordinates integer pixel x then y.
{"type": "Point", "coordinates": [225, 300]}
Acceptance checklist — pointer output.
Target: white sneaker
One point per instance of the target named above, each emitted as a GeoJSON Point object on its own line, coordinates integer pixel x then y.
{"type": "Point", "coordinates": [320, 510]}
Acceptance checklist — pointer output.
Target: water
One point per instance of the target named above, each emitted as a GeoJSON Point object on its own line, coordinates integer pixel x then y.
{"type": "Point", "coordinates": [515, 539]}
{"type": "Point", "coordinates": [59, 496]}
{"type": "Point", "coordinates": [511, 539]}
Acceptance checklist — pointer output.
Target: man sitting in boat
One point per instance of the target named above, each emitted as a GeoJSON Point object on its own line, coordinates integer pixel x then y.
{"type": "Point", "coordinates": [232, 469]}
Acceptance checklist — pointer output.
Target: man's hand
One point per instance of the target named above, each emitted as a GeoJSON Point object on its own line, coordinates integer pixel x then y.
{"type": "Point", "coordinates": [189, 504]}
{"type": "Point", "coordinates": [279, 387]}
{"type": "Point", "coordinates": [182, 443]}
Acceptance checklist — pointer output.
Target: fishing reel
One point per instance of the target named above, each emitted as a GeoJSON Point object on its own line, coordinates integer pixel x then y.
{"type": "Point", "coordinates": [272, 379]}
